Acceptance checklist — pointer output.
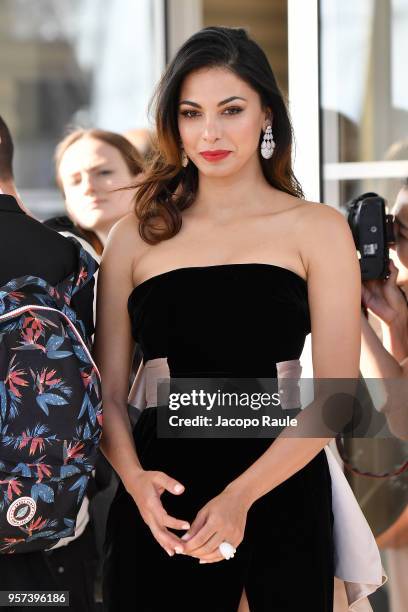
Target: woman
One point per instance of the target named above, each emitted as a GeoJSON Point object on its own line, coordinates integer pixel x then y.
{"type": "Point", "coordinates": [387, 358]}
{"type": "Point", "coordinates": [92, 167]}
{"type": "Point", "coordinates": [216, 268]}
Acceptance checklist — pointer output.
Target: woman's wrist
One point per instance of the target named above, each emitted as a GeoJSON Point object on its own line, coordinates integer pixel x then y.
{"type": "Point", "coordinates": [130, 478]}
{"type": "Point", "coordinates": [399, 324]}
{"type": "Point", "coordinates": [395, 336]}
{"type": "Point", "coordinates": [242, 491]}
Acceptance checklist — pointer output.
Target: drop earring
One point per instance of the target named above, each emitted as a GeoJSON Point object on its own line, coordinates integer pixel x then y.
{"type": "Point", "coordinates": [268, 143]}
{"type": "Point", "coordinates": [184, 158]}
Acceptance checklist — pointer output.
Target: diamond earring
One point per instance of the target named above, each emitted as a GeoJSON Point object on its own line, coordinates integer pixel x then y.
{"type": "Point", "coordinates": [184, 158]}
{"type": "Point", "coordinates": [268, 143]}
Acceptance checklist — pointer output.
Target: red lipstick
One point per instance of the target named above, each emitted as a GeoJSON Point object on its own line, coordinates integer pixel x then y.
{"type": "Point", "coordinates": [215, 155]}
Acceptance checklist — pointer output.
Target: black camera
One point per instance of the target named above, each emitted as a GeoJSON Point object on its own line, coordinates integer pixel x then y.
{"type": "Point", "coordinates": [373, 233]}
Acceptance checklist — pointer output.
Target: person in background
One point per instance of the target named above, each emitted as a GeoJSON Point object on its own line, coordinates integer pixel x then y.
{"type": "Point", "coordinates": [71, 564]}
{"type": "Point", "coordinates": [8, 186]}
{"type": "Point", "coordinates": [92, 167]}
{"type": "Point", "coordinates": [388, 358]}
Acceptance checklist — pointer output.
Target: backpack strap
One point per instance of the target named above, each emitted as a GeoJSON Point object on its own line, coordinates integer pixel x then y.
{"type": "Point", "coordinates": [11, 297]}
{"type": "Point", "coordinates": [87, 267]}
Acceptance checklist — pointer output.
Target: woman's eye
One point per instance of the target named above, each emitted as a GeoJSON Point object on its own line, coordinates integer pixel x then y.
{"type": "Point", "coordinates": [233, 110]}
{"type": "Point", "coordinates": [189, 114]}
{"type": "Point", "coordinates": [105, 172]}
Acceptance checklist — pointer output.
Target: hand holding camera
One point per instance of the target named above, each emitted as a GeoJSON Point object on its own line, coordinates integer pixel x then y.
{"type": "Point", "coordinates": [384, 299]}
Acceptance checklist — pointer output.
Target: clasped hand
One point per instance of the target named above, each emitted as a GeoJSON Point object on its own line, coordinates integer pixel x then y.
{"type": "Point", "coordinates": [223, 518]}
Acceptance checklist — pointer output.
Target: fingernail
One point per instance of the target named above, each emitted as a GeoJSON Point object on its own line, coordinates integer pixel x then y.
{"type": "Point", "coordinates": [170, 553]}
{"type": "Point", "coordinates": [186, 526]}
{"type": "Point", "coordinates": [186, 536]}
{"type": "Point", "coordinates": [202, 561]}
{"type": "Point", "coordinates": [178, 488]}
{"type": "Point", "coordinates": [178, 550]}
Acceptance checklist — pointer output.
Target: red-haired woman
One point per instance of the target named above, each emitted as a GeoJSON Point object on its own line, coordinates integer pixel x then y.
{"type": "Point", "coordinates": [92, 166]}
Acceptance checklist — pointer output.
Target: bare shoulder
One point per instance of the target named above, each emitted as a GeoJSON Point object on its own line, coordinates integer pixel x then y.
{"type": "Point", "coordinates": [310, 224]}
{"type": "Point", "coordinates": [318, 226]}
{"type": "Point", "coordinates": [320, 217]}
{"type": "Point", "coordinates": [325, 239]}
{"type": "Point", "coordinates": [127, 228]}
{"type": "Point", "coordinates": [125, 240]}
{"type": "Point", "coordinates": [306, 215]}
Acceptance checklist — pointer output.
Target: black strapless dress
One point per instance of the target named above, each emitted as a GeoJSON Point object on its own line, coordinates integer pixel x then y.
{"type": "Point", "coordinates": [234, 320]}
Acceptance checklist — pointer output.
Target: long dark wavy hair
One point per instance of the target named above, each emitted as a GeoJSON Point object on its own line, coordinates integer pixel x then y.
{"type": "Point", "coordinates": [168, 188]}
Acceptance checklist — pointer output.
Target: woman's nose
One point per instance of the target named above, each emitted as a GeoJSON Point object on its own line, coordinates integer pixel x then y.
{"type": "Point", "coordinates": [88, 183]}
{"type": "Point", "coordinates": [212, 131]}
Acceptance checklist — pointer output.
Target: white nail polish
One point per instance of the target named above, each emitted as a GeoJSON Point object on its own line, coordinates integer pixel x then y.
{"type": "Point", "coordinates": [178, 488]}
{"type": "Point", "coordinates": [178, 550]}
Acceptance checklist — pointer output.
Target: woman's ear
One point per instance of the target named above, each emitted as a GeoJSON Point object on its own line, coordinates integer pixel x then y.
{"type": "Point", "coordinates": [268, 118]}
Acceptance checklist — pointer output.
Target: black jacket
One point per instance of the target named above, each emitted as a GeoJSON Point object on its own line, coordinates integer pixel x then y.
{"type": "Point", "coordinates": [28, 247]}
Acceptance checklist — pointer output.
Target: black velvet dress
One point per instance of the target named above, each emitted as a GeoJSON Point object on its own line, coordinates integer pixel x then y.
{"type": "Point", "coordinates": [224, 320]}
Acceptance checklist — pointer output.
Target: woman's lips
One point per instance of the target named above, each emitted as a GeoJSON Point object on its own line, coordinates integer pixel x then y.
{"type": "Point", "coordinates": [213, 156]}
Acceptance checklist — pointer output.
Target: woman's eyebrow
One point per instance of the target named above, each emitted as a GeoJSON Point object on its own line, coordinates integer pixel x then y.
{"type": "Point", "coordinates": [92, 168]}
{"type": "Point", "coordinates": [219, 103]}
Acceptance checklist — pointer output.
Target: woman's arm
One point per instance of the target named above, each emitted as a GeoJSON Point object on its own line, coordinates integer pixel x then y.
{"type": "Point", "coordinates": [113, 353]}
{"type": "Point", "coordinates": [385, 300]}
{"type": "Point", "coordinates": [395, 338]}
{"type": "Point", "coordinates": [375, 360]}
{"type": "Point", "coordinates": [334, 288]}
{"type": "Point", "coordinates": [387, 303]}
{"type": "Point", "coordinates": [114, 348]}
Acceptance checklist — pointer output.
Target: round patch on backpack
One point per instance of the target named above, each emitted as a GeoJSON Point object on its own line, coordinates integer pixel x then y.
{"type": "Point", "coordinates": [21, 511]}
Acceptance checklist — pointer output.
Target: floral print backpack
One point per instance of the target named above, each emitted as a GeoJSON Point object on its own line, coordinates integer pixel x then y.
{"type": "Point", "coordinates": [50, 410]}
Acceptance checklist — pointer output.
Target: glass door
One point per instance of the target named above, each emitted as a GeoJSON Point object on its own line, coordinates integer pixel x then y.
{"type": "Point", "coordinates": [348, 95]}
{"type": "Point", "coordinates": [88, 63]}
